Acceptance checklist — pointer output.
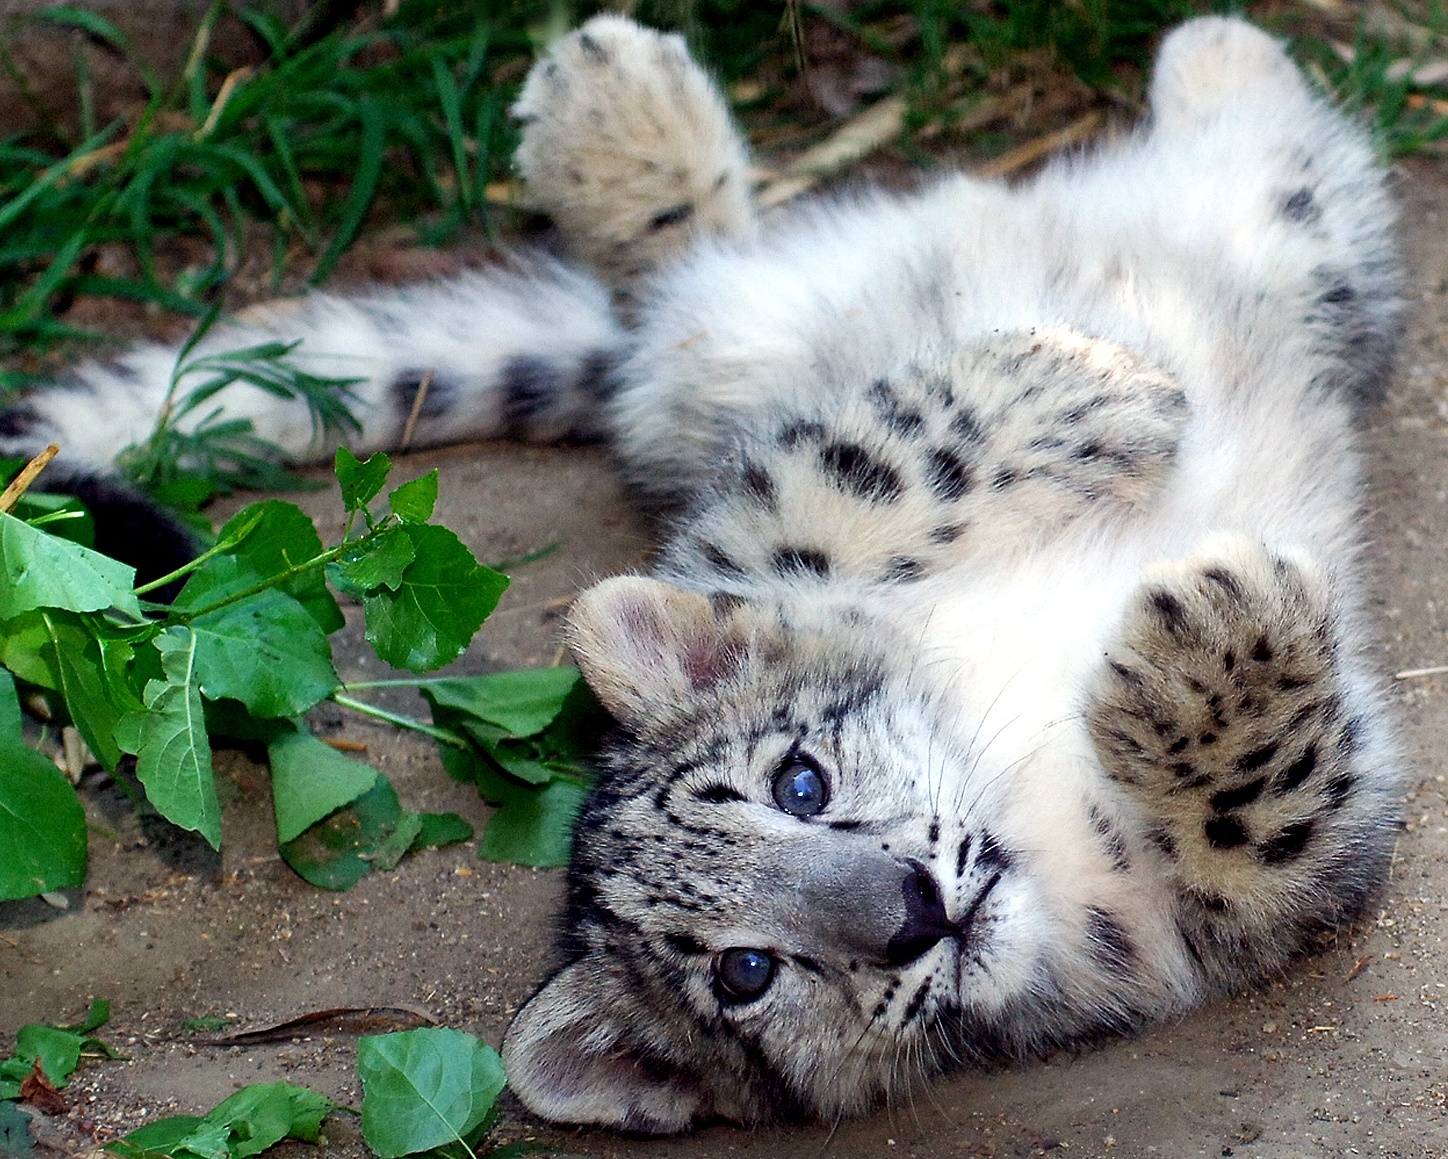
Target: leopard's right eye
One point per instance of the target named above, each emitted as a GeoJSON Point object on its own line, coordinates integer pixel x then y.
{"type": "Point", "coordinates": [800, 788]}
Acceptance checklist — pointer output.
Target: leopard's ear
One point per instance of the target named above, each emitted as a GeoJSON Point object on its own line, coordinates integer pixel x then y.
{"type": "Point", "coordinates": [570, 1056]}
{"type": "Point", "coordinates": [646, 647]}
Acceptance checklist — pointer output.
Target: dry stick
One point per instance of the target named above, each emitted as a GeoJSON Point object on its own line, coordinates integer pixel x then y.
{"type": "Point", "coordinates": [417, 401]}
{"type": "Point", "coordinates": [1073, 134]}
{"type": "Point", "coordinates": [21, 483]}
{"type": "Point", "coordinates": [860, 135]}
{"type": "Point", "coordinates": [881, 123]}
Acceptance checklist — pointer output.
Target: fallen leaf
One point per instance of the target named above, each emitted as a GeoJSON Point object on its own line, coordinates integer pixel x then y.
{"type": "Point", "coordinates": [38, 1091]}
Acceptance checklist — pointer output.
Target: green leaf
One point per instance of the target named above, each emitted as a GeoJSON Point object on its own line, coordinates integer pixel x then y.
{"type": "Point", "coordinates": [95, 701]}
{"type": "Point", "coordinates": [253, 1119]}
{"type": "Point", "coordinates": [177, 1135]}
{"type": "Point", "coordinates": [42, 824]}
{"type": "Point", "coordinates": [170, 743]}
{"type": "Point", "coordinates": [267, 1113]}
{"type": "Point", "coordinates": [516, 762]}
{"type": "Point", "coordinates": [57, 1051]}
{"type": "Point", "coordinates": [425, 1088]}
{"type": "Point", "coordinates": [16, 1142]}
{"type": "Point", "coordinates": [443, 599]}
{"type": "Point", "coordinates": [26, 650]}
{"type": "Point", "coordinates": [56, 1048]}
{"type": "Point", "coordinates": [414, 501]}
{"type": "Point", "coordinates": [378, 560]}
{"type": "Point", "coordinates": [534, 828]}
{"type": "Point", "coordinates": [96, 1017]}
{"type": "Point", "coordinates": [361, 481]}
{"type": "Point", "coordinates": [334, 853]}
{"type": "Point", "coordinates": [266, 651]}
{"type": "Point", "coordinates": [282, 537]}
{"type": "Point", "coordinates": [43, 571]}
{"type": "Point", "coordinates": [310, 780]}
{"type": "Point", "coordinates": [206, 1024]}
{"type": "Point", "coordinates": [524, 703]}
{"type": "Point", "coordinates": [399, 842]}
{"type": "Point", "coordinates": [439, 829]}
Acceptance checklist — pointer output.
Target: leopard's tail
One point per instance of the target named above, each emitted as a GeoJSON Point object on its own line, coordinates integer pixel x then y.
{"type": "Point", "coordinates": [487, 354]}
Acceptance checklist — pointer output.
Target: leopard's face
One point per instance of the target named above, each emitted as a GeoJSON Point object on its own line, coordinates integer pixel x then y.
{"type": "Point", "coordinates": [790, 899]}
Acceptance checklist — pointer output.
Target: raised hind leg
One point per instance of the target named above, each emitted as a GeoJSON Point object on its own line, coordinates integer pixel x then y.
{"type": "Point", "coordinates": [628, 145]}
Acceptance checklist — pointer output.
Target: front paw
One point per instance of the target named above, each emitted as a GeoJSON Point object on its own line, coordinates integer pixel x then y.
{"type": "Point", "coordinates": [1221, 711]}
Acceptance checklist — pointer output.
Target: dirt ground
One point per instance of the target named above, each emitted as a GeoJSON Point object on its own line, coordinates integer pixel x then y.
{"type": "Point", "coordinates": [1344, 1056]}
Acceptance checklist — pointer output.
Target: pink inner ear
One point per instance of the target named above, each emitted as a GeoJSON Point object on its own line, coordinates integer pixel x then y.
{"type": "Point", "coordinates": [645, 629]}
{"type": "Point", "coordinates": [708, 660]}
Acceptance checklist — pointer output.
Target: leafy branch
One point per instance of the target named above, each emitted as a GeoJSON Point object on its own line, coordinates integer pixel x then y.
{"type": "Point", "coordinates": [243, 651]}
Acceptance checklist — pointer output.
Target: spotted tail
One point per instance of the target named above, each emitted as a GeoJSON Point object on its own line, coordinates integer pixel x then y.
{"type": "Point", "coordinates": [496, 353]}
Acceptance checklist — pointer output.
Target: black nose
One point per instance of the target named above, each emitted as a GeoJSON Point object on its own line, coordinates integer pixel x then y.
{"type": "Point", "coordinates": [926, 923]}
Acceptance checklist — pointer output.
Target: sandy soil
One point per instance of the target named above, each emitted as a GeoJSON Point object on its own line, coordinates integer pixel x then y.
{"type": "Point", "coordinates": [1344, 1056]}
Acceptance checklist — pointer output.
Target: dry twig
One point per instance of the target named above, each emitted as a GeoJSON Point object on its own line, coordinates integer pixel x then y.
{"type": "Point", "coordinates": [21, 483]}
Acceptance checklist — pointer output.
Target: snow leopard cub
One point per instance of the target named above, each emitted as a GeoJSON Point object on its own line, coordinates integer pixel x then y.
{"type": "Point", "coordinates": [1001, 683]}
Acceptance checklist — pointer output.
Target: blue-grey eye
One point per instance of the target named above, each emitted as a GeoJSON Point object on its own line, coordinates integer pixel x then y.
{"type": "Point", "coordinates": [743, 974]}
{"type": "Point", "coordinates": [800, 788]}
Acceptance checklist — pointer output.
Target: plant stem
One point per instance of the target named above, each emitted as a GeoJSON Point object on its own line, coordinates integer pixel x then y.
{"type": "Point", "coordinates": [441, 735]}
{"type": "Point", "coordinates": [187, 568]}
{"type": "Point", "coordinates": [185, 617]}
{"type": "Point", "coordinates": [416, 682]}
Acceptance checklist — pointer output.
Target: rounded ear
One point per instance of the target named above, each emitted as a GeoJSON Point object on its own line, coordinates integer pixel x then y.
{"type": "Point", "coordinates": [645, 646]}
{"type": "Point", "coordinates": [570, 1058]}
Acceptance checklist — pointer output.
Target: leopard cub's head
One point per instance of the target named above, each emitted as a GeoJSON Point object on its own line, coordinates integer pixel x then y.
{"type": "Point", "coordinates": [789, 896]}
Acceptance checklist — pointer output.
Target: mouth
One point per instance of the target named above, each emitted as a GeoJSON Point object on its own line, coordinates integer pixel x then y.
{"type": "Point", "coordinates": [967, 920]}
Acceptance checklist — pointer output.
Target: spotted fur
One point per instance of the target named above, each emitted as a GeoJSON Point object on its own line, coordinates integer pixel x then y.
{"type": "Point", "coordinates": [1001, 681]}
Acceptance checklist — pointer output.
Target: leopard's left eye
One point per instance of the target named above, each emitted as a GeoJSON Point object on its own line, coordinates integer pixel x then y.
{"type": "Point", "coordinates": [742, 974]}
{"type": "Point", "coordinates": [800, 788]}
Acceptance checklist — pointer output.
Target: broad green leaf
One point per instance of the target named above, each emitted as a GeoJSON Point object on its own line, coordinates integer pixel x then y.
{"type": "Point", "coordinates": [361, 481]}
{"type": "Point", "coordinates": [96, 1017]}
{"type": "Point", "coordinates": [414, 501]}
{"type": "Point", "coordinates": [311, 779]}
{"type": "Point", "coordinates": [42, 824]}
{"type": "Point", "coordinates": [58, 1051]}
{"type": "Point", "coordinates": [399, 843]}
{"type": "Point", "coordinates": [425, 1088]}
{"type": "Point", "coordinates": [335, 853]}
{"type": "Point", "coordinates": [246, 1124]}
{"type": "Point", "coordinates": [267, 652]}
{"type": "Point", "coordinates": [96, 703]}
{"type": "Point", "coordinates": [534, 828]}
{"type": "Point", "coordinates": [43, 571]}
{"type": "Point", "coordinates": [177, 1135]}
{"type": "Point", "coordinates": [267, 1113]}
{"type": "Point", "coordinates": [524, 703]}
{"type": "Point", "coordinates": [56, 1048]}
{"type": "Point", "coordinates": [170, 743]}
{"type": "Point", "coordinates": [281, 538]}
{"type": "Point", "coordinates": [516, 762]}
{"type": "Point", "coordinates": [26, 650]}
{"type": "Point", "coordinates": [377, 561]}
{"type": "Point", "coordinates": [443, 599]}
{"type": "Point", "coordinates": [439, 829]}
